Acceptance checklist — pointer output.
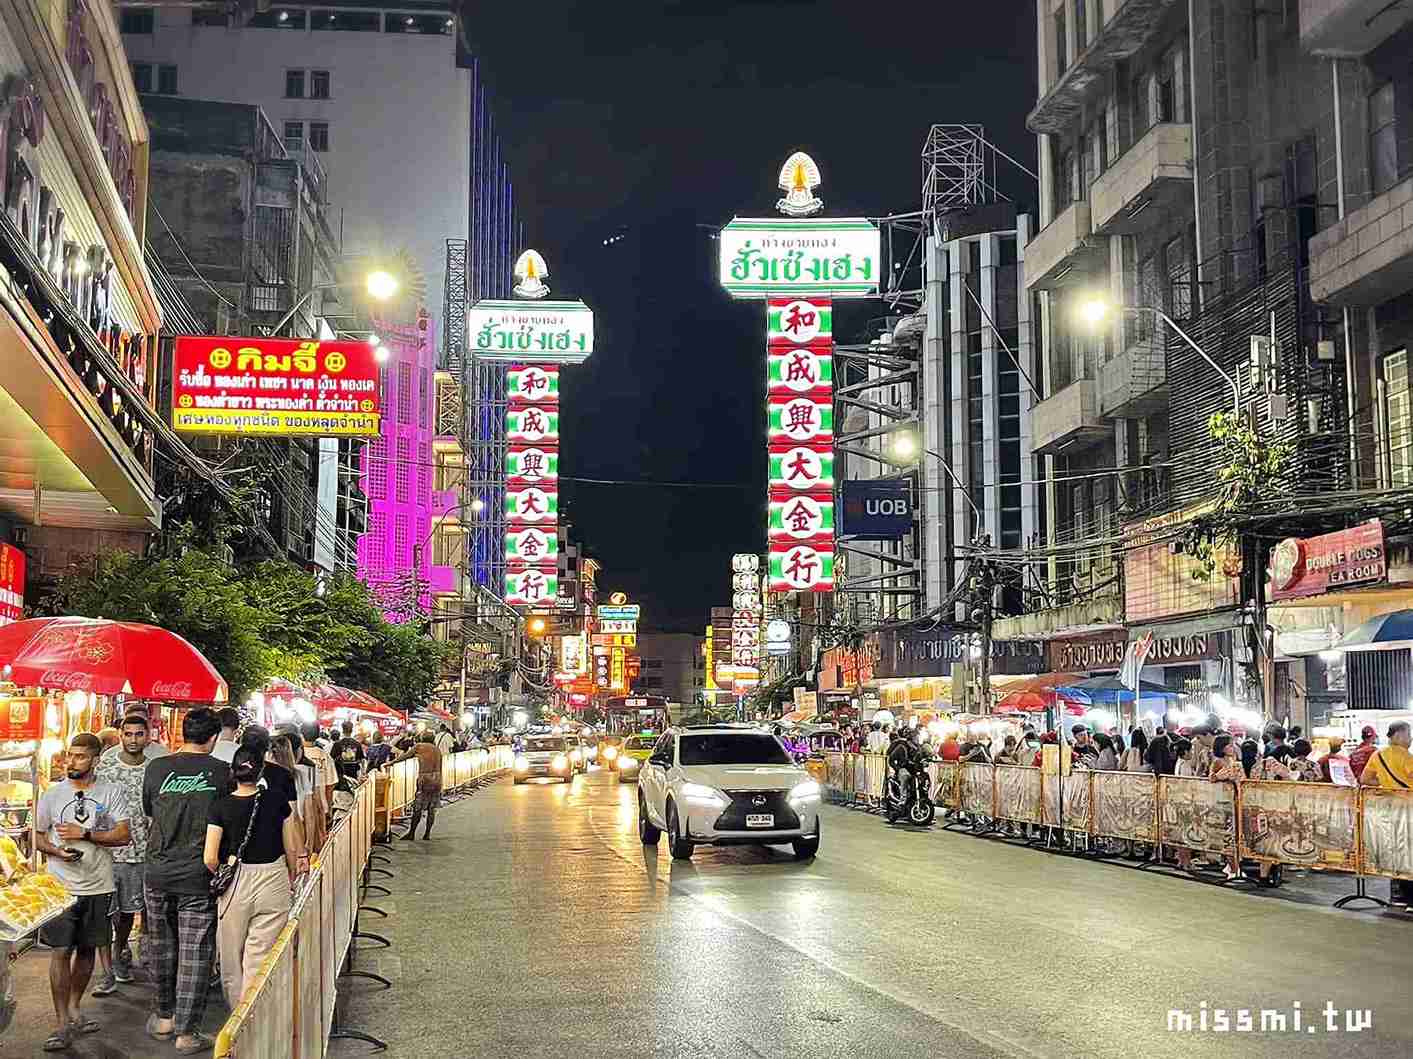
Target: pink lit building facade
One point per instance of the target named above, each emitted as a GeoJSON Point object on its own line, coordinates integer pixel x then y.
{"type": "Point", "coordinates": [405, 475]}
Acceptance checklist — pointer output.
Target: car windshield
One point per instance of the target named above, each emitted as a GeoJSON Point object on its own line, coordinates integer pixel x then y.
{"type": "Point", "coordinates": [743, 749]}
{"type": "Point", "coordinates": [545, 742]}
{"type": "Point", "coordinates": [639, 742]}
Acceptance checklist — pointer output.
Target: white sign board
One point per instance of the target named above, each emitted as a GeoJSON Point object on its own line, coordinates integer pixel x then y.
{"type": "Point", "coordinates": [778, 256]}
{"type": "Point", "coordinates": [542, 332]}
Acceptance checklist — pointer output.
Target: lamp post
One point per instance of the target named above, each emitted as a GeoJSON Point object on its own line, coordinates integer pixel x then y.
{"type": "Point", "coordinates": [1095, 309]}
{"type": "Point", "coordinates": [379, 284]}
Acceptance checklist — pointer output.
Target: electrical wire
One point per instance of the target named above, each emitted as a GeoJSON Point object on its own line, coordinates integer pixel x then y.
{"type": "Point", "coordinates": [196, 272]}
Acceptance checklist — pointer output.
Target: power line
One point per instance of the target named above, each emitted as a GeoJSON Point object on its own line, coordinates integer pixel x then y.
{"type": "Point", "coordinates": [194, 270]}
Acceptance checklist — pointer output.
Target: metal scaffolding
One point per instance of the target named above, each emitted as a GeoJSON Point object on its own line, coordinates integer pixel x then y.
{"type": "Point", "coordinates": [454, 303]}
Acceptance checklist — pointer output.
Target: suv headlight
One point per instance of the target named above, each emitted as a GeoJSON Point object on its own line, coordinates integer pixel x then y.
{"type": "Point", "coordinates": [522, 763]}
{"type": "Point", "coordinates": [609, 753]}
{"type": "Point", "coordinates": [627, 764]}
{"type": "Point", "coordinates": [700, 794]}
{"type": "Point", "coordinates": [559, 762]}
{"type": "Point", "coordinates": [805, 792]}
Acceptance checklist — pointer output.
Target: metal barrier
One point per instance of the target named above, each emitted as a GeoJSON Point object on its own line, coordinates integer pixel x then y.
{"type": "Point", "coordinates": [1386, 832]}
{"type": "Point", "coordinates": [978, 789]}
{"type": "Point", "coordinates": [308, 964]}
{"type": "Point", "coordinates": [1125, 806]}
{"type": "Point", "coordinates": [263, 1023]}
{"type": "Point", "coordinates": [1017, 794]}
{"type": "Point", "coordinates": [1197, 814]}
{"type": "Point", "coordinates": [1308, 825]}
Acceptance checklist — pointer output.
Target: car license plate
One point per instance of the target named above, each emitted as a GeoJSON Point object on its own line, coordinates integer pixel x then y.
{"type": "Point", "coordinates": [760, 820]}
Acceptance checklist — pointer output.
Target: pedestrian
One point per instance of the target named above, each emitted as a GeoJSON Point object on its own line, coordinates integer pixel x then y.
{"type": "Point", "coordinates": [1250, 756]}
{"type": "Point", "coordinates": [1368, 746]}
{"type": "Point", "coordinates": [1008, 754]}
{"type": "Point", "coordinates": [77, 823]}
{"type": "Point", "coordinates": [1296, 733]}
{"type": "Point", "coordinates": [250, 828]}
{"type": "Point", "coordinates": [109, 737]}
{"type": "Point", "coordinates": [126, 770]}
{"type": "Point", "coordinates": [1272, 765]}
{"type": "Point", "coordinates": [1183, 750]}
{"type": "Point", "coordinates": [446, 742]}
{"type": "Point", "coordinates": [228, 740]}
{"type": "Point", "coordinates": [1104, 760]}
{"type": "Point", "coordinates": [1135, 758]}
{"type": "Point", "coordinates": [1202, 738]}
{"type": "Point", "coordinates": [348, 755]}
{"type": "Point", "coordinates": [1301, 766]}
{"type": "Point", "coordinates": [429, 783]}
{"type": "Point", "coordinates": [1082, 749]}
{"type": "Point", "coordinates": [177, 794]}
{"type": "Point", "coordinates": [379, 752]}
{"type": "Point", "coordinates": [877, 741]}
{"type": "Point", "coordinates": [324, 762]}
{"type": "Point", "coordinates": [152, 751]}
{"type": "Point", "coordinates": [1226, 760]}
{"type": "Point", "coordinates": [951, 748]}
{"type": "Point", "coordinates": [1335, 767]}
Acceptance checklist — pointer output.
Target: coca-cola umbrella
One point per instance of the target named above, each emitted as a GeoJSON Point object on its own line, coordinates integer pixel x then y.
{"type": "Point", "coordinates": [108, 658]}
{"type": "Point", "coordinates": [1037, 695]}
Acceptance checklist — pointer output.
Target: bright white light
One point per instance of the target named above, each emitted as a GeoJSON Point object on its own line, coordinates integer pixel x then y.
{"type": "Point", "coordinates": [522, 763]}
{"type": "Point", "coordinates": [284, 16]}
{"type": "Point", "coordinates": [382, 285]}
{"type": "Point", "coordinates": [477, 506]}
{"type": "Point", "coordinates": [1331, 656]}
{"type": "Point", "coordinates": [700, 794]}
{"type": "Point", "coordinates": [374, 341]}
{"type": "Point", "coordinates": [1100, 718]}
{"type": "Point", "coordinates": [381, 354]}
{"type": "Point", "coordinates": [905, 446]}
{"type": "Point", "coordinates": [75, 701]}
{"type": "Point", "coordinates": [804, 792]}
{"type": "Point", "coordinates": [1221, 702]}
{"type": "Point", "coordinates": [1093, 311]}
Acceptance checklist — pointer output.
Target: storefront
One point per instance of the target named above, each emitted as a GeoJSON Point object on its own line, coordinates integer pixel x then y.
{"type": "Point", "coordinates": [938, 669]}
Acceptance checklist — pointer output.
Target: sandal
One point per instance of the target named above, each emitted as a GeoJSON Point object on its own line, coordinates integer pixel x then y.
{"type": "Point", "coordinates": [154, 1032]}
{"type": "Point", "coordinates": [58, 1041]}
{"type": "Point", "coordinates": [198, 1042]}
{"type": "Point", "coordinates": [84, 1025]}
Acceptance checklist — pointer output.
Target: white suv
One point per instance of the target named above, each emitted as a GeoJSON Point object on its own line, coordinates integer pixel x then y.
{"type": "Point", "coordinates": [720, 785]}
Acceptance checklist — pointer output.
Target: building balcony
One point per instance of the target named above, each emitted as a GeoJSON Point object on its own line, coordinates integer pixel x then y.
{"type": "Point", "coordinates": [1068, 419]}
{"type": "Point", "coordinates": [1150, 181]}
{"type": "Point", "coordinates": [1134, 384]}
{"type": "Point", "coordinates": [1349, 27]}
{"type": "Point", "coordinates": [1367, 258]}
{"type": "Point", "coordinates": [1061, 249]}
{"type": "Point", "coordinates": [1128, 30]}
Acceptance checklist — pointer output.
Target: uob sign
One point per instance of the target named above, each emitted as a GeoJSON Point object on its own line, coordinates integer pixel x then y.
{"type": "Point", "coordinates": [880, 510]}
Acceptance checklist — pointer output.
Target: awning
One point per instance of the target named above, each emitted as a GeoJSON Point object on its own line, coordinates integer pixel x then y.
{"type": "Point", "coordinates": [1034, 694]}
{"type": "Point", "coordinates": [1387, 632]}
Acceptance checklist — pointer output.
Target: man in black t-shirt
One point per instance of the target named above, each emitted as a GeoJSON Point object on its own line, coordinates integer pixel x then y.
{"type": "Point", "coordinates": [348, 754]}
{"type": "Point", "coordinates": [177, 794]}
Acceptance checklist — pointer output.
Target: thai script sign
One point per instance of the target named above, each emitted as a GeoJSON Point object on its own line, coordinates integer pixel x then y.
{"type": "Point", "coordinates": [224, 385]}
{"type": "Point", "coordinates": [545, 332]}
{"type": "Point", "coordinates": [932, 653]}
{"type": "Point", "coordinates": [1107, 652]}
{"type": "Point", "coordinates": [765, 257]}
{"type": "Point", "coordinates": [1313, 565]}
{"type": "Point", "coordinates": [1161, 581]}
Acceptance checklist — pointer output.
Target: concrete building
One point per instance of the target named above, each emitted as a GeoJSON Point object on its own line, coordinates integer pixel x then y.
{"type": "Point", "coordinates": [1243, 170]}
{"type": "Point", "coordinates": [79, 314]}
{"type": "Point", "coordinates": [673, 666]}
{"type": "Point", "coordinates": [372, 92]}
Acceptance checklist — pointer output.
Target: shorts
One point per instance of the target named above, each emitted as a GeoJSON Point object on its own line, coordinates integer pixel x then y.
{"type": "Point", "coordinates": [129, 879]}
{"type": "Point", "coordinates": [427, 797]}
{"type": "Point", "coordinates": [84, 926]}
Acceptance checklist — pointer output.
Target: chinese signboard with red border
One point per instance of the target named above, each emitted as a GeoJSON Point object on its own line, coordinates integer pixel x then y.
{"type": "Point", "coordinates": [275, 386]}
{"type": "Point", "coordinates": [1311, 566]}
{"type": "Point", "coordinates": [12, 584]}
{"type": "Point", "coordinates": [21, 719]}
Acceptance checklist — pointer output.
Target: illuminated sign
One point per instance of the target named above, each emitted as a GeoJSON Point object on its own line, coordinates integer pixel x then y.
{"type": "Point", "coordinates": [531, 546]}
{"type": "Point", "coordinates": [532, 426]}
{"type": "Point", "coordinates": [617, 625]}
{"type": "Point", "coordinates": [547, 332]}
{"type": "Point", "coordinates": [530, 587]}
{"type": "Point", "coordinates": [801, 568]}
{"type": "Point", "coordinates": [801, 469]}
{"type": "Point", "coordinates": [532, 384]}
{"type": "Point", "coordinates": [619, 612]}
{"type": "Point", "coordinates": [532, 505]}
{"type": "Point", "coordinates": [792, 372]}
{"type": "Point", "coordinates": [799, 176]}
{"type": "Point", "coordinates": [12, 584]}
{"type": "Point", "coordinates": [602, 676]}
{"type": "Point", "coordinates": [531, 465]}
{"type": "Point", "coordinates": [800, 420]}
{"type": "Point", "coordinates": [618, 669]}
{"type": "Point", "coordinates": [777, 257]}
{"type": "Point", "coordinates": [572, 656]}
{"type": "Point", "coordinates": [278, 386]}
{"type": "Point", "coordinates": [531, 271]}
{"type": "Point", "coordinates": [777, 637]}
{"type": "Point", "coordinates": [800, 518]}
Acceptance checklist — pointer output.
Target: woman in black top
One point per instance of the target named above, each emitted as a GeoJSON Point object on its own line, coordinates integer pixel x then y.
{"type": "Point", "coordinates": [252, 825]}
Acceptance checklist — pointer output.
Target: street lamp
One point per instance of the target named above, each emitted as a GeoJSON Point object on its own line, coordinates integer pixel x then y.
{"type": "Point", "coordinates": [1095, 308]}
{"type": "Point", "coordinates": [904, 447]}
{"type": "Point", "coordinates": [380, 285]}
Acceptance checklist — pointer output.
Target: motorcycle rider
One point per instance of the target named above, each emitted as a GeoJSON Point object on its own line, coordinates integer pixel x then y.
{"type": "Point", "coordinates": [903, 753]}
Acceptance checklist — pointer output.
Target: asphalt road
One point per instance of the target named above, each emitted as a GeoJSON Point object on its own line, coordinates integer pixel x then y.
{"type": "Point", "coordinates": [535, 924]}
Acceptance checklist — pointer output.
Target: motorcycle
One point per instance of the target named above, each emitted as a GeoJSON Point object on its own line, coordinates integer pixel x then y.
{"type": "Point", "coordinates": [907, 796]}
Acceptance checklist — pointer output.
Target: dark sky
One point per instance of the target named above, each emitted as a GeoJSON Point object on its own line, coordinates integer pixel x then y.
{"type": "Point", "coordinates": [659, 122]}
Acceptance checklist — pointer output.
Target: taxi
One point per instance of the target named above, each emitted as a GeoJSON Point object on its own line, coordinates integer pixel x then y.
{"type": "Point", "coordinates": [608, 749]}
{"type": "Point", "coordinates": [635, 750]}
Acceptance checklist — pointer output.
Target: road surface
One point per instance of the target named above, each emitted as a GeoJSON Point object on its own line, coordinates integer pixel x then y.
{"type": "Point", "coordinates": [534, 923]}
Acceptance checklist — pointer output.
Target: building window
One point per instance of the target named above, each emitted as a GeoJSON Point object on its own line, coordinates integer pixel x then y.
{"type": "Point", "coordinates": [404, 470]}
{"type": "Point", "coordinates": [294, 136]}
{"type": "Point", "coordinates": [1400, 421]}
{"type": "Point", "coordinates": [1383, 139]}
{"type": "Point", "coordinates": [167, 80]}
{"type": "Point", "coordinates": [1064, 181]}
{"type": "Point", "coordinates": [294, 84]}
{"type": "Point", "coordinates": [404, 393]}
{"type": "Point", "coordinates": [1062, 61]}
{"type": "Point", "coordinates": [348, 21]}
{"type": "Point", "coordinates": [142, 76]}
{"type": "Point", "coordinates": [1081, 26]}
{"type": "Point", "coordinates": [138, 20]}
{"type": "Point", "coordinates": [210, 17]}
{"type": "Point", "coordinates": [1085, 150]}
{"type": "Point", "coordinates": [319, 135]}
{"type": "Point", "coordinates": [1167, 97]}
{"type": "Point", "coordinates": [318, 84]}
{"type": "Point", "coordinates": [424, 473]}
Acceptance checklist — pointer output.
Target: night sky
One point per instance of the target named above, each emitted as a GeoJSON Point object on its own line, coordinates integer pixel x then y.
{"type": "Point", "coordinates": [658, 122]}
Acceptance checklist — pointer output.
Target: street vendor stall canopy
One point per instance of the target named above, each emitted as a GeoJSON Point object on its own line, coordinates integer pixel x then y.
{"type": "Point", "coordinates": [1387, 632]}
{"type": "Point", "coordinates": [1109, 690]}
{"type": "Point", "coordinates": [1038, 694]}
{"type": "Point", "coordinates": [108, 658]}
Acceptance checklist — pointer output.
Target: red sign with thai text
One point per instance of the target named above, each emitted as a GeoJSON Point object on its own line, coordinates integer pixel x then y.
{"type": "Point", "coordinates": [21, 719]}
{"type": "Point", "coordinates": [1310, 566]}
{"type": "Point", "coordinates": [12, 584]}
{"type": "Point", "coordinates": [275, 386]}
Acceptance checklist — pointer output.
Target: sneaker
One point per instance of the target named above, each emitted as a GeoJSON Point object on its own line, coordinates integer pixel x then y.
{"type": "Point", "coordinates": [122, 967]}
{"type": "Point", "coordinates": [108, 986]}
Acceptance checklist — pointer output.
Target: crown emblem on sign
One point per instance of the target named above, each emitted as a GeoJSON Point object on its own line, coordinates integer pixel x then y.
{"type": "Point", "coordinates": [799, 176]}
{"type": "Point", "coordinates": [531, 270]}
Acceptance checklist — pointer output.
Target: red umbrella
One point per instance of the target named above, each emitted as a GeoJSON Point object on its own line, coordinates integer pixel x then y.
{"type": "Point", "coordinates": [1037, 695]}
{"type": "Point", "coordinates": [108, 658]}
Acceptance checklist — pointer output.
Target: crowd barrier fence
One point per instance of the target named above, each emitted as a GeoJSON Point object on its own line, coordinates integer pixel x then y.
{"type": "Point", "coordinates": [1359, 830]}
{"type": "Point", "coordinates": [289, 1011]}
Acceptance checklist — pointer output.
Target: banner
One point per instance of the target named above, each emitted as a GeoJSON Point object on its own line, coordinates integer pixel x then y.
{"type": "Point", "coordinates": [1018, 794]}
{"type": "Point", "coordinates": [1125, 805]}
{"type": "Point", "coordinates": [275, 386]}
{"type": "Point", "coordinates": [1197, 813]}
{"type": "Point", "coordinates": [1312, 825]}
{"type": "Point", "coordinates": [877, 509]}
{"type": "Point", "coordinates": [784, 256]}
{"type": "Point", "coordinates": [977, 795]}
{"type": "Point", "coordinates": [1387, 829]}
{"type": "Point", "coordinates": [12, 584]}
{"type": "Point", "coordinates": [1075, 788]}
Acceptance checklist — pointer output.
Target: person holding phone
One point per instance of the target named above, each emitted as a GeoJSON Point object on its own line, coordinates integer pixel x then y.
{"type": "Point", "coordinates": [77, 823]}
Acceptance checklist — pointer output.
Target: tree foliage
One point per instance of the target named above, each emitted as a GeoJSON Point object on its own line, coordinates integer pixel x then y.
{"type": "Point", "coordinates": [260, 621]}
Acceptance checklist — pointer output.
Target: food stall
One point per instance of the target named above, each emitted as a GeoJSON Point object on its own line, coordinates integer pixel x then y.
{"type": "Point", "coordinates": [337, 704]}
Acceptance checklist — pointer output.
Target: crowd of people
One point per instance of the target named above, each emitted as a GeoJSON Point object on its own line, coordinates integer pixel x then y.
{"type": "Point", "coordinates": [208, 844]}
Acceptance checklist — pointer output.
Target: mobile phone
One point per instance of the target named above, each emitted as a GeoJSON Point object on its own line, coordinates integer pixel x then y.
{"type": "Point", "coordinates": [75, 855]}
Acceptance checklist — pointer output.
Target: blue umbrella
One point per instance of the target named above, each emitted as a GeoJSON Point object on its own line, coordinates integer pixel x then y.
{"type": "Point", "coordinates": [1109, 691]}
{"type": "Point", "coordinates": [1384, 632]}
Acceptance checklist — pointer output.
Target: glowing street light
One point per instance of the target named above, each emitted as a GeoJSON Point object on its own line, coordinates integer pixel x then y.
{"type": "Point", "coordinates": [477, 506]}
{"type": "Point", "coordinates": [381, 354]}
{"type": "Point", "coordinates": [381, 285]}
